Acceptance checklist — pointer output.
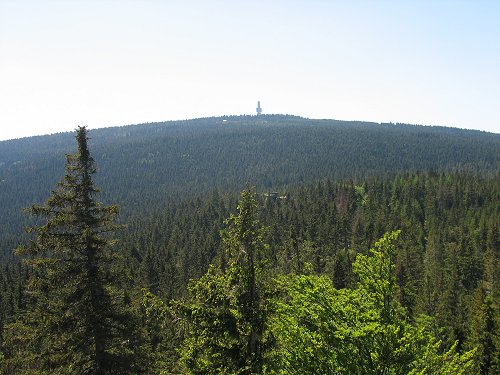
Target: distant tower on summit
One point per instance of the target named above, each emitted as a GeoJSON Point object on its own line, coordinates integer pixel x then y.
{"type": "Point", "coordinates": [259, 110]}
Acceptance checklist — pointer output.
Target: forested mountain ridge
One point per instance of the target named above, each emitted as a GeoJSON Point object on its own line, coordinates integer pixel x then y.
{"type": "Point", "coordinates": [383, 272]}
{"type": "Point", "coordinates": [143, 164]}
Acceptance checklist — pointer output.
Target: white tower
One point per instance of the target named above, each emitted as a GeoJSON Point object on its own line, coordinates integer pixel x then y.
{"type": "Point", "coordinates": [259, 110]}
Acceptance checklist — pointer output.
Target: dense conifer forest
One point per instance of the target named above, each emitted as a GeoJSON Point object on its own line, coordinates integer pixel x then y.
{"type": "Point", "coordinates": [251, 245]}
{"type": "Point", "coordinates": [142, 165]}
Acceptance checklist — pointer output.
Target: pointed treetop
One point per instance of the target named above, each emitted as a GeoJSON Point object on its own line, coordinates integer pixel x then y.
{"type": "Point", "coordinates": [81, 138]}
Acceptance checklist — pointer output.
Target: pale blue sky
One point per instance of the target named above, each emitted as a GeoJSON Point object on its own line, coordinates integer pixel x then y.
{"type": "Point", "coordinates": [104, 63]}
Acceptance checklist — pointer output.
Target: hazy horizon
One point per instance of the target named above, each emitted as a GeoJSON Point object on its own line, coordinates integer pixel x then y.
{"type": "Point", "coordinates": [114, 63]}
{"type": "Point", "coordinates": [234, 115]}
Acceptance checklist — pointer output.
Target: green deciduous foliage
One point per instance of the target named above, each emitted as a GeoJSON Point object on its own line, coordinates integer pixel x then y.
{"type": "Point", "coordinates": [78, 320]}
{"type": "Point", "coordinates": [446, 250]}
{"type": "Point", "coordinates": [323, 330]}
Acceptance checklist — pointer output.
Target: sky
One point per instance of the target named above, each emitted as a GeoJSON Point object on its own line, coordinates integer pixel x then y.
{"type": "Point", "coordinates": [65, 63]}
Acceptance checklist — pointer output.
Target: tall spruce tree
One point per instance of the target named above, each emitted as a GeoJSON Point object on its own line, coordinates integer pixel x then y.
{"type": "Point", "coordinates": [226, 312]}
{"type": "Point", "coordinates": [78, 322]}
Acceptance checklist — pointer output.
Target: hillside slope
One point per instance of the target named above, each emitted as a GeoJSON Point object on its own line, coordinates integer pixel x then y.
{"type": "Point", "coordinates": [142, 165]}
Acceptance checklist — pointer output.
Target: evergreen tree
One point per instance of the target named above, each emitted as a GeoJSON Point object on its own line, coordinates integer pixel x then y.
{"type": "Point", "coordinates": [226, 313]}
{"type": "Point", "coordinates": [484, 331]}
{"type": "Point", "coordinates": [78, 321]}
{"type": "Point", "coordinates": [244, 240]}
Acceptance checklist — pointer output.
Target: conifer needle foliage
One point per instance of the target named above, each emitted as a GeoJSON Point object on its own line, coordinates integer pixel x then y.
{"type": "Point", "coordinates": [78, 322]}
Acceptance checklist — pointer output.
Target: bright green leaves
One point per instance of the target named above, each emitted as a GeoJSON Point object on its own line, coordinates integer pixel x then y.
{"type": "Point", "coordinates": [322, 330]}
{"type": "Point", "coordinates": [378, 286]}
{"type": "Point", "coordinates": [239, 320]}
{"type": "Point", "coordinates": [308, 338]}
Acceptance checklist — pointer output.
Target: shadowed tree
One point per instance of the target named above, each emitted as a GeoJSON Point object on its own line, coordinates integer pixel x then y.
{"type": "Point", "coordinates": [78, 322]}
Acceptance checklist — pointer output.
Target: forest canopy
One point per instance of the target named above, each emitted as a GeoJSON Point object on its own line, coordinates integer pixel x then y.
{"type": "Point", "coordinates": [390, 269]}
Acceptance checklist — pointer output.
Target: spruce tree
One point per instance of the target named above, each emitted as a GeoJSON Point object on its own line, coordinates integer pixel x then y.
{"type": "Point", "coordinates": [78, 321]}
{"type": "Point", "coordinates": [226, 313]}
